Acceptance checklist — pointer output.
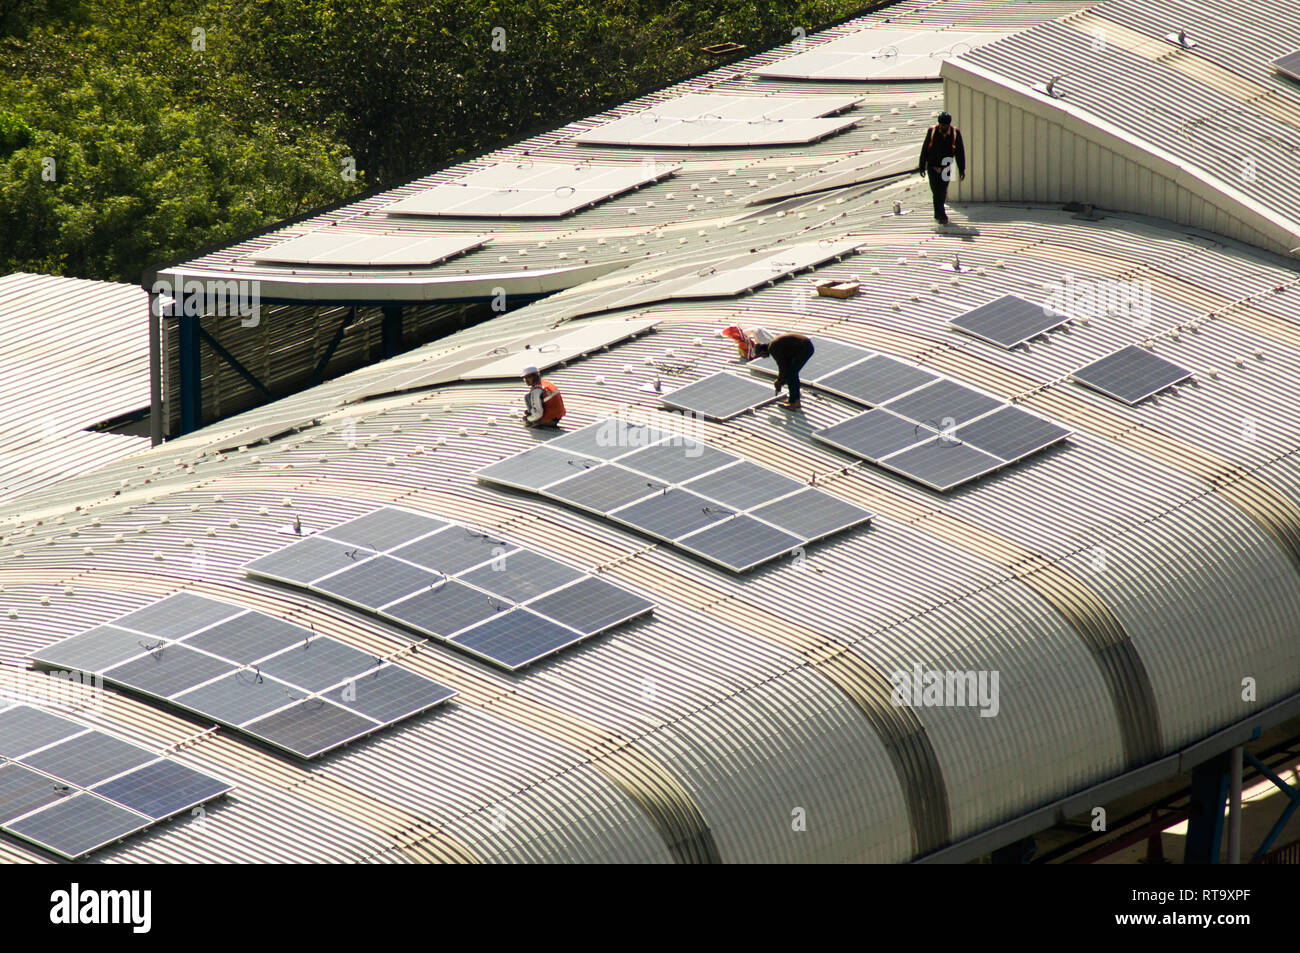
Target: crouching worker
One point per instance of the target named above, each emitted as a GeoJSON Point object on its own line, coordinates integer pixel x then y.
{"type": "Point", "coordinates": [790, 352]}
{"type": "Point", "coordinates": [544, 405]}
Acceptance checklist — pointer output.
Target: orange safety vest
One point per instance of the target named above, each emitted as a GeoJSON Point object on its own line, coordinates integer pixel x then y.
{"type": "Point", "coordinates": [552, 403]}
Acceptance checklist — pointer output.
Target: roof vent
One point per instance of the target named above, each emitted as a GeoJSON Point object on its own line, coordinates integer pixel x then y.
{"type": "Point", "coordinates": [1181, 39]}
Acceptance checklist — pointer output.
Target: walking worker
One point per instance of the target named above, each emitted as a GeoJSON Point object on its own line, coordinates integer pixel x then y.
{"type": "Point", "coordinates": [544, 405]}
{"type": "Point", "coordinates": [791, 352]}
{"type": "Point", "coordinates": [941, 151]}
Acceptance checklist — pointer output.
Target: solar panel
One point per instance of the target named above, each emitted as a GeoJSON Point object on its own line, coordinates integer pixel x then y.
{"type": "Point", "coordinates": [604, 488]}
{"type": "Point", "coordinates": [714, 486]}
{"type": "Point", "coordinates": [1131, 374]}
{"type": "Point", "coordinates": [592, 606]}
{"type": "Point", "coordinates": [534, 469]}
{"type": "Point", "coordinates": [672, 514]}
{"type": "Point", "coordinates": [875, 380]}
{"type": "Point", "coordinates": [246, 638]}
{"type": "Point", "coordinates": [703, 121]}
{"type": "Point", "coordinates": [23, 790]}
{"type": "Point", "coordinates": [521, 576]}
{"type": "Point", "coordinates": [176, 615]}
{"type": "Point", "coordinates": [1011, 433]}
{"type": "Point", "coordinates": [942, 404]}
{"type": "Point", "coordinates": [878, 55]}
{"type": "Point", "coordinates": [309, 559]}
{"type": "Point", "coordinates": [338, 248]}
{"type": "Point", "coordinates": [162, 789]}
{"type": "Point", "coordinates": [452, 551]}
{"type": "Point", "coordinates": [811, 514]}
{"type": "Point", "coordinates": [88, 759]}
{"type": "Point", "coordinates": [528, 189]}
{"type": "Point", "coordinates": [239, 698]}
{"type": "Point", "coordinates": [743, 485]}
{"type": "Point", "coordinates": [741, 543]}
{"type": "Point", "coordinates": [390, 693]}
{"type": "Point", "coordinates": [516, 638]}
{"type": "Point", "coordinates": [1289, 65]}
{"type": "Point", "coordinates": [608, 439]}
{"type": "Point", "coordinates": [828, 357]}
{"type": "Point", "coordinates": [384, 529]}
{"type": "Point", "coordinates": [376, 583]}
{"type": "Point", "coordinates": [676, 461]}
{"type": "Point", "coordinates": [312, 727]}
{"type": "Point", "coordinates": [77, 825]}
{"type": "Point", "coordinates": [266, 665]}
{"type": "Point", "coordinates": [720, 396]}
{"type": "Point", "coordinates": [864, 167]}
{"type": "Point", "coordinates": [24, 728]}
{"type": "Point", "coordinates": [101, 647]}
{"type": "Point", "coordinates": [943, 464]}
{"type": "Point", "coordinates": [318, 664]}
{"type": "Point", "coordinates": [874, 435]}
{"type": "Point", "coordinates": [1008, 321]}
{"type": "Point", "coordinates": [447, 608]}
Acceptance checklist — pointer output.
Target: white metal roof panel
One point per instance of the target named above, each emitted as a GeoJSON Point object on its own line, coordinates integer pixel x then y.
{"type": "Point", "coordinates": [350, 248]}
{"type": "Point", "coordinates": [879, 55]}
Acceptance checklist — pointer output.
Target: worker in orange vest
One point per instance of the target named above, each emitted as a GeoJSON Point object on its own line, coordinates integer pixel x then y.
{"type": "Point", "coordinates": [544, 404]}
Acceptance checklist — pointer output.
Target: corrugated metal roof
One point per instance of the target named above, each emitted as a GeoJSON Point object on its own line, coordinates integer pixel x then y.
{"type": "Point", "coordinates": [1121, 584]}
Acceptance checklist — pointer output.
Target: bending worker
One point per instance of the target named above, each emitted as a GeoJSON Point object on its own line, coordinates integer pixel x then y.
{"type": "Point", "coordinates": [941, 152]}
{"type": "Point", "coordinates": [790, 352]}
{"type": "Point", "coordinates": [544, 405]}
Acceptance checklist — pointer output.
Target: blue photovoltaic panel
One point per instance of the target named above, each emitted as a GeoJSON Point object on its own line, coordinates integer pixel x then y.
{"type": "Point", "coordinates": [1011, 433]}
{"type": "Point", "coordinates": [608, 439]}
{"type": "Point", "coordinates": [390, 693]}
{"type": "Point", "coordinates": [1131, 374]}
{"type": "Point", "coordinates": [246, 638]}
{"type": "Point", "coordinates": [168, 670]}
{"type": "Point", "coordinates": [943, 404]}
{"type": "Point", "coordinates": [101, 647]}
{"type": "Point", "coordinates": [592, 606]}
{"type": "Point", "coordinates": [318, 664]}
{"type": "Point", "coordinates": [812, 514]}
{"type": "Point", "coordinates": [534, 469]}
{"type": "Point", "coordinates": [743, 485]}
{"type": "Point", "coordinates": [452, 551]}
{"type": "Point", "coordinates": [447, 608]}
{"type": "Point", "coordinates": [23, 790]}
{"type": "Point", "coordinates": [605, 488]}
{"type": "Point", "coordinates": [516, 638]}
{"type": "Point", "coordinates": [875, 380]}
{"type": "Point", "coordinates": [1289, 65]}
{"type": "Point", "coordinates": [176, 615]}
{"type": "Point", "coordinates": [309, 559]}
{"type": "Point", "coordinates": [88, 759]}
{"type": "Point", "coordinates": [676, 461]}
{"type": "Point", "coordinates": [1008, 321]}
{"type": "Point", "coordinates": [828, 357]}
{"type": "Point", "coordinates": [943, 464]}
{"type": "Point", "coordinates": [162, 789]}
{"type": "Point", "coordinates": [24, 729]}
{"type": "Point", "coordinates": [384, 529]}
{"type": "Point", "coordinates": [377, 582]}
{"type": "Point", "coordinates": [312, 727]}
{"type": "Point", "coordinates": [873, 435]}
{"type": "Point", "coordinates": [240, 697]}
{"type": "Point", "coordinates": [720, 396]}
{"type": "Point", "coordinates": [741, 543]}
{"type": "Point", "coordinates": [77, 825]}
{"type": "Point", "coordinates": [521, 576]}
{"type": "Point", "coordinates": [673, 514]}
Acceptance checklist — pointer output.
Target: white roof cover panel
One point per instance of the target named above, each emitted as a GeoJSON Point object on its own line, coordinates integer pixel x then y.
{"type": "Point", "coordinates": [879, 55]}
{"type": "Point", "coordinates": [344, 248]}
{"type": "Point", "coordinates": [562, 348]}
{"type": "Point", "coordinates": [529, 190]}
{"type": "Point", "coordinates": [707, 121]}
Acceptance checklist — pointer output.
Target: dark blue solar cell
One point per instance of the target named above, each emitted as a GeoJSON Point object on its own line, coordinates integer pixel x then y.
{"type": "Point", "coordinates": [318, 664]}
{"type": "Point", "coordinates": [454, 550]}
{"type": "Point", "coordinates": [591, 606]}
{"type": "Point", "coordinates": [162, 789]}
{"type": "Point", "coordinates": [378, 582]}
{"type": "Point", "coordinates": [521, 576]}
{"type": "Point", "coordinates": [384, 528]}
{"type": "Point", "coordinates": [168, 670]}
{"type": "Point", "coordinates": [77, 825]}
{"type": "Point", "coordinates": [177, 614]}
{"type": "Point", "coordinates": [741, 543]}
{"type": "Point", "coordinates": [23, 790]}
{"type": "Point", "coordinates": [312, 727]}
{"type": "Point", "coordinates": [516, 638]}
{"type": "Point", "coordinates": [102, 647]}
{"type": "Point", "coordinates": [744, 485]}
{"type": "Point", "coordinates": [673, 514]}
{"type": "Point", "coordinates": [249, 637]}
{"type": "Point", "coordinates": [88, 759]}
{"type": "Point", "coordinates": [24, 729]}
{"type": "Point", "coordinates": [307, 560]}
{"type": "Point", "coordinates": [676, 461]}
{"type": "Point", "coordinates": [604, 488]}
{"type": "Point", "coordinates": [390, 693]}
{"type": "Point", "coordinates": [447, 608]}
{"type": "Point", "coordinates": [240, 697]}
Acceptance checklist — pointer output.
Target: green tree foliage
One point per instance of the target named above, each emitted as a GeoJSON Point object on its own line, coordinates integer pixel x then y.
{"type": "Point", "coordinates": [176, 124]}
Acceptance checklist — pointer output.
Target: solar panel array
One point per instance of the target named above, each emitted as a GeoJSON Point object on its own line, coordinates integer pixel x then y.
{"type": "Point", "coordinates": [1008, 321]}
{"type": "Point", "coordinates": [879, 55]}
{"type": "Point", "coordinates": [471, 590]}
{"type": "Point", "coordinates": [720, 396]}
{"type": "Point", "coordinates": [703, 121]}
{"type": "Point", "coordinates": [923, 426]}
{"type": "Point", "coordinates": [1131, 374]}
{"type": "Point", "coordinates": [274, 681]}
{"type": "Point", "coordinates": [702, 500]}
{"type": "Point", "coordinates": [335, 248]}
{"type": "Point", "coordinates": [863, 167]}
{"type": "Point", "coordinates": [528, 190]}
{"type": "Point", "coordinates": [1289, 65]}
{"type": "Point", "coordinates": [72, 790]}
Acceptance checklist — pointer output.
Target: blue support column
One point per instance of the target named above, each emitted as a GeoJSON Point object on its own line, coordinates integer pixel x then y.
{"type": "Point", "coordinates": [191, 371]}
{"type": "Point", "coordinates": [1209, 795]}
{"type": "Point", "coordinates": [392, 330]}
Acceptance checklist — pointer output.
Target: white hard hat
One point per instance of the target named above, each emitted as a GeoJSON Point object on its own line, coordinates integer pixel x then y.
{"type": "Point", "coordinates": [530, 369]}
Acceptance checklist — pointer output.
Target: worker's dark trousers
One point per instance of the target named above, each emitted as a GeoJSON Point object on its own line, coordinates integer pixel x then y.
{"type": "Point", "coordinates": [792, 376]}
{"type": "Point", "coordinates": [939, 189]}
